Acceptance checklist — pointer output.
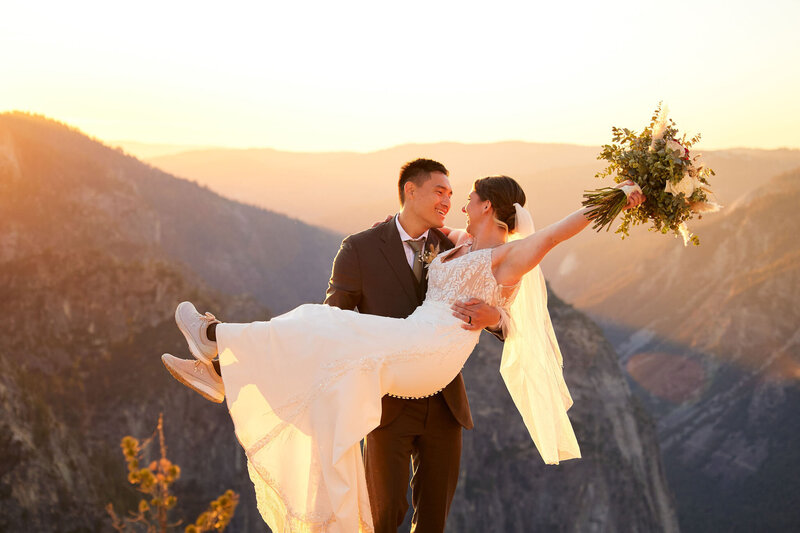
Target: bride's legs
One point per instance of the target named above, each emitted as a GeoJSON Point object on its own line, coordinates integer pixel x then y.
{"type": "Point", "coordinates": [201, 334]}
{"type": "Point", "coordinates": [195, 328]}
{"type": "Point", "coordinates": [196, 375]}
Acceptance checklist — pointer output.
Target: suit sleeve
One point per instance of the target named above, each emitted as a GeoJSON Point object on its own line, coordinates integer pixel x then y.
{"type": "Point", "coordinates": [344, 287]}
{"type": "Point", "coordinates": [502, 327]}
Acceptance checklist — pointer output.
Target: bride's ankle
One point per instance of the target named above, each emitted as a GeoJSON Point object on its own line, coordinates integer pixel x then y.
{"type": "Point", "coordinates": [211, 332]}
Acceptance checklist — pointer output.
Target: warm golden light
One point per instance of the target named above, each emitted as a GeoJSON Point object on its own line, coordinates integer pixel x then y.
{"type": "Point", "coordinates": [310, 76]}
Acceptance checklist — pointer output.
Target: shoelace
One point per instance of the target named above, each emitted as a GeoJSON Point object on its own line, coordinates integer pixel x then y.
{"type": "Point", "coordinates": [199, 367]}
{"type": "Point", "coordinates": [208, 317]}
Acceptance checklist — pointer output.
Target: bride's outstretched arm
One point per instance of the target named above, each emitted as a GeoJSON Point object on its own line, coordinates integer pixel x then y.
{"type": "Point", "coordinates": [515, 259]}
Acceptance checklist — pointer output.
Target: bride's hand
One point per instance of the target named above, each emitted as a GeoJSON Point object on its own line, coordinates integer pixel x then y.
{"type": "Point", "coordinates": [390, 217]}
{"type": "Point", "coordinates": [635, 196]}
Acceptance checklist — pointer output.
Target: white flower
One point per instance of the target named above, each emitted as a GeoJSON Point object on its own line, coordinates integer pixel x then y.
{"type": "Point", "coordinates": [686, 185]}
{"type": "Point", "coordinates": [427, 256]}
{"type": "Point", "coordinates": [675, 146]}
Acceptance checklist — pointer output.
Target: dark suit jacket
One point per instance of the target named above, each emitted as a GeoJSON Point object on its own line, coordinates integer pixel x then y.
{"type": "Point", "coordinates": [371, 274]}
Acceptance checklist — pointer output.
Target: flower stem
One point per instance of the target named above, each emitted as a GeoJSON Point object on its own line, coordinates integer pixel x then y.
{"type": "Point", "coordinates": [607, 203]}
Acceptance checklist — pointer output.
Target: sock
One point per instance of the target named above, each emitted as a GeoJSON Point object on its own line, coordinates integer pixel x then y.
{"type": "Point", "coordinates": [211, 332]}
{"type": "Point", "coordinates": [215, 363]}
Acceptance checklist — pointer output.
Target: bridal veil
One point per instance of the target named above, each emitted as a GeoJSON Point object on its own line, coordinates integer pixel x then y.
{"type": "Point", "coordinates": [532, 366]}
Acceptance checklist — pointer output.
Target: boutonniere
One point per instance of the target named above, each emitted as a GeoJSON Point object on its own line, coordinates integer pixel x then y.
{"type": "Point", "coordinates": [427, 256]}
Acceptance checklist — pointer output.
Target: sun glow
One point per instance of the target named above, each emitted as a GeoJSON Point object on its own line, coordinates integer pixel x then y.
{"type": "Point", "coordinates": [362, 75]}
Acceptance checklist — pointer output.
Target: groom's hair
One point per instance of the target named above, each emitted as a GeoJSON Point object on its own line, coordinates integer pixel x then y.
{"type": "Point", "coordinates": [418, 172]}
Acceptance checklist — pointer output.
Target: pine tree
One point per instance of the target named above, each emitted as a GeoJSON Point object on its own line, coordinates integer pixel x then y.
{"type": "Point", "coordinates": [154, 481]}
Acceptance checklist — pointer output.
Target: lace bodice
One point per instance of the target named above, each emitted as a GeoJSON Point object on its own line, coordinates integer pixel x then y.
{"type": "Point", "coordinates": [467, 276]}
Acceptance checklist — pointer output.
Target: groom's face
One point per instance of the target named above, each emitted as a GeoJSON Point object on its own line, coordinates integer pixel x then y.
{"type": "Point", "coordinates": [430, 201]}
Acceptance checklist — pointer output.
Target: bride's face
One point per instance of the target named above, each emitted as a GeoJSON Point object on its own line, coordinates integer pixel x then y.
{"type": "Point", "coordinates": [476, 209]}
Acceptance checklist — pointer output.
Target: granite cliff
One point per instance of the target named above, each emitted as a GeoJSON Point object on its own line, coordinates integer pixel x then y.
{"type": "Point", "coordinates": [617, 485]}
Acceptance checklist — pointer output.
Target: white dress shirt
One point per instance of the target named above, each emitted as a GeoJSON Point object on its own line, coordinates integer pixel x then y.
{"type": "Point", "coordinates": [404, 236]}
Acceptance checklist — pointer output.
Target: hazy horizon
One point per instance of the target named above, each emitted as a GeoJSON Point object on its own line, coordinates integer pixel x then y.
{"type": "Point", "coordinates": [358, 76]}
{"type": "Point", "coordinates": [122, 143]}
{"type": "Point", "coordinates": [146, 151]}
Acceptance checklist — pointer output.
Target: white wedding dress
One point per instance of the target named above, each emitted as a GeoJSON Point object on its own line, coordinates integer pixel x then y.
{"type": "Point", "coordinates": [304, 388]}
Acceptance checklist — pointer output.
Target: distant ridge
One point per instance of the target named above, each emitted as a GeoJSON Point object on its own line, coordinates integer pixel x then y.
{"type": "Point", "coordinates": [141, 204]}
{"type": "Point", "coordinates": [347, 191]}
{"type": "Point", "coordinates": [143, 151]}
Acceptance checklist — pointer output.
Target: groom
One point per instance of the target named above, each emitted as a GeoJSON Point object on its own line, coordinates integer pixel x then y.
{"type": "Point", "coordinates": [381, 271]}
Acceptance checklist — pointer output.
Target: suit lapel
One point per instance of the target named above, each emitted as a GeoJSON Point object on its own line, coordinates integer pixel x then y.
{"type": "Point", "coordinates": [392, 249]}
{"type": "Point", "coordinates": [423, 286]}
{"type": "Point", "coordinates": [435, 240]}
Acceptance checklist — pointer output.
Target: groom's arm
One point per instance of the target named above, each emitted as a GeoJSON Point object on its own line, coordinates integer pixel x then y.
{"type": "Point", "coordinates": [344, 287]}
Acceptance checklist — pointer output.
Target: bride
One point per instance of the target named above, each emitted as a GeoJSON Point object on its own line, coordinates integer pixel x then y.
{"type": "Point", "coordinates": [304, 388]}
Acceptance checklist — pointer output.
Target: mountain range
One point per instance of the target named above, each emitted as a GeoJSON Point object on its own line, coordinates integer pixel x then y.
{"type": "Point", "coordinates": [706, 335]}
{"type": "Point", "coordinates": [97, 248]}
{"type": "Point", "coordinates": [341, 184]}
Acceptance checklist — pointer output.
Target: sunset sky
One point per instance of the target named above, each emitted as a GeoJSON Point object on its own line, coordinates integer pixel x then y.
{"type": "Point", "coordinates": [308, 76]}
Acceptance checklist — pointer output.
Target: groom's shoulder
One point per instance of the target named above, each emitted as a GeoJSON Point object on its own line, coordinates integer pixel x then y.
{"type": "Point", "coordinates": [444, 242]}
{"type": "Point", "coordinates": [369, 235]}
{"type": "Point", "coordinates": [383, 231]}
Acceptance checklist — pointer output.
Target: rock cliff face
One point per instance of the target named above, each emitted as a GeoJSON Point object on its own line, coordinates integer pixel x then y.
{"type": "Point", "coordinates": [710, 338]}
{"type": "Point", "coordinates": [618, 484]}
{"type": "Point", "coordinates": [96, 250]}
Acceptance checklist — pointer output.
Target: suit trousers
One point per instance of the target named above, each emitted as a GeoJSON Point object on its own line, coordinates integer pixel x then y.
{"type": "Point", "coordinates": [425, 431]}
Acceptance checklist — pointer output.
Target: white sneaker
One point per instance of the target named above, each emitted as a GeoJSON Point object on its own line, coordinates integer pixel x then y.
{"type": "Point", "coordinates": [193, 325]}
{"type": "Point", "coordinates": [198, 376]}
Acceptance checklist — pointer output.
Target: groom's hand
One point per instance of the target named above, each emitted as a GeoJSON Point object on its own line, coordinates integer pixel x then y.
{"type": "Point", "coordinates": [476, 314]}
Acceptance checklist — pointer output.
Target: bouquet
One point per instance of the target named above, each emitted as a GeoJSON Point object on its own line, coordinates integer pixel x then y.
{"type": "Point", "coordinates": [674, 183]}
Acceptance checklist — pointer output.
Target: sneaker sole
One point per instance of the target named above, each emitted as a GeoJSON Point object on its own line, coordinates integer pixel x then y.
{"type": "Point", "coordinates": [193, 347]}
{"type": "Point", "coordinates": [211, 396]}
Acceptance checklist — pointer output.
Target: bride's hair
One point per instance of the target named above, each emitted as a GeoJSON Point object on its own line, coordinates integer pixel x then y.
{"type": "Point", "coordinates": [503, 192]}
